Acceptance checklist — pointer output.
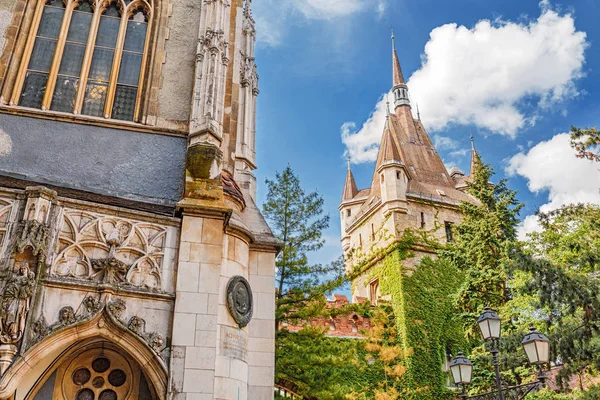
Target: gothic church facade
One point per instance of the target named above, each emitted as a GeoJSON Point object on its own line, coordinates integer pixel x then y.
{"type": "Point", "coordinates": [134, 262]}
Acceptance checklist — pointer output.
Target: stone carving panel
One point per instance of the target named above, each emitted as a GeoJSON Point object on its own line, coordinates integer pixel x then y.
{"type": "Point", "coordinates": [15, 303]}
{"type": "Point", "coordinates": [110, 250]}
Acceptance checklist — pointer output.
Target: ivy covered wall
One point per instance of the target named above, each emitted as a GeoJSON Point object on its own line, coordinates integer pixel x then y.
{"type": "Point", "coordinates": [421, 300]}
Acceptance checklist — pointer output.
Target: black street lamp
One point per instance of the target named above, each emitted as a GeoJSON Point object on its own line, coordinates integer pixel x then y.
{"type": "Point", "coordinates": [462, 371]}
{"type": "Point", "coordinates": [536, 346]}
{"type": "Point", "coordinates": [489, 324]}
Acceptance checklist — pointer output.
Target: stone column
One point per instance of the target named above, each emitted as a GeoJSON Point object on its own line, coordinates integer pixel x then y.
{"type": "Point", "coordinates": [261, 330]}
{"type": "Point", "coordinates": [231, 380]}
{"type": "Point", "coordinates": [196, 304]}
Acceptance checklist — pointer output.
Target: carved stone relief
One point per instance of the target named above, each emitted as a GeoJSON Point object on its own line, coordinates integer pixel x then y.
{"type": "Point", "coordinates": [154, 340]}
{"type": "Point", "coordinates": [89, 307]}
{"type": "Point", "coordinates": [239, 300]}
{"type": "Point", "coordinates": [110, 250]}
{"type": "Point", "coordinates": [15, 303]}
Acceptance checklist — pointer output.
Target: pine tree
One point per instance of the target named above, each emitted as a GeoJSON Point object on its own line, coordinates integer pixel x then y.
{"type": "Point", "coordinates": [307, 359]}
{"type": "Point", "coordinates": [483, 242]}
{"type": "Point", "coordinates": [298, 221]}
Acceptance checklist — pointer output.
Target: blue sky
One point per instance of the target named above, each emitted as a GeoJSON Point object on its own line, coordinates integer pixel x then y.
{"type": "Point", "coordinates": [515, 73]}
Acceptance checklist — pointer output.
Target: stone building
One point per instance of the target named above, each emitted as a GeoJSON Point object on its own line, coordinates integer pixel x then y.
{"type": "Point", "coordinates": [134, 262]}
{"type": "Point", "coordinates": [411, 188]}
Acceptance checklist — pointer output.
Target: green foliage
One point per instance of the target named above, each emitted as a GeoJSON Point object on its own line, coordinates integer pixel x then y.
{"type": "Point", "coordinates": [563, 263]}
{"type": "Point", "coordinates": [586, 142]}
{"type": "Point", "coordinates": [423, 314]}
{"type": "Point", "coordinates": [592, 393]}
{"type": "Point", "coordinates": [298, 221]}
{"type": "Point", "coordinates": [483, 242]}
{"type": "Point", "coordinates": [319, 366]}
{"type": "Point", "coordinates": [307, 359]}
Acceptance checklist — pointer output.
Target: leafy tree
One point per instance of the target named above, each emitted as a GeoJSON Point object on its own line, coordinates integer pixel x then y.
{"type": "Point", "coordinates": [563, 261]}
{"type": "Point", "coordinates": [586, 142]}
{"type": "Point", "coordinates": [483, 242]}
{"type": "Point", "coordinates": [318, 366]}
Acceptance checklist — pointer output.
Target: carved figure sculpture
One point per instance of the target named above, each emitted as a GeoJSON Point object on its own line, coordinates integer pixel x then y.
{"type": "Point", "coordinates": [15, 303]}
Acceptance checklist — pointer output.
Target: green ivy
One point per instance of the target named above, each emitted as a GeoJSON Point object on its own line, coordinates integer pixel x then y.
{"type": "Point", "coordinates": [423, 307]}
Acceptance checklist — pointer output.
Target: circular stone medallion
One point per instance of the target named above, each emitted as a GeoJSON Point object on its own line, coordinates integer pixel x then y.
{"type": "Point", "coordinates": [239, 300]}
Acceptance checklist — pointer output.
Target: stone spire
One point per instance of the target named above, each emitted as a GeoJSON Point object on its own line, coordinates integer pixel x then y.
{"type": "Point", "coordinates": [399, 87]}
{"type": "Point", "coordinates": [350, 188]}
{"type": "Point", "coordinates": [398, 76]}
{"type": "Point", "coordinates": [474, 156]}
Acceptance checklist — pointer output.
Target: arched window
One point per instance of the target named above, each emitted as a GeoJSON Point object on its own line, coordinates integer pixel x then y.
{"type": "Point", "coordinates": [86, 57]}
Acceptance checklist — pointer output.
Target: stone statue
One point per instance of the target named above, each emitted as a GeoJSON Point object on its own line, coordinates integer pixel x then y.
{"type": "Point", "coordinates": [15, 303]}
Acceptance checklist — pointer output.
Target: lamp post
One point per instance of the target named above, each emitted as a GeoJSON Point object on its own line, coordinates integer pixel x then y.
{"type": "Point", "coordinates": [536, 346]}
{"type": "Point", "coordinates": [489, 324]}
{"type": "Point", "coordinates": [462, 371]}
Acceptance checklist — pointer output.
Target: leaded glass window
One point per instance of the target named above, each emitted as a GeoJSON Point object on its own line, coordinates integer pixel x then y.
{"type": "Point", "coordinates": [131, 64]}
{"type": "Point", "coordinates": [86, 57]}
{"type": "Point", "coordinates": [40, 61]}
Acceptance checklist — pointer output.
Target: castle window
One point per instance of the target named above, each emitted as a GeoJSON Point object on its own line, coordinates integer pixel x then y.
{"type": "Point", "coordinates": [349, 212]}
{"type": "Point", "coordinates": [86, 57]}
{"type": "Point", "coordinates": [448, 226]}
{"type": "Point", "coordinates": [373, 291]}
{"type": "Point", "coordinates": [382, 178]}
{"type": "Point", "coordinates": [422, 220]}
{"type": "Point", "coordinates": [372, 233]}
{"type": "Point", "coordinates": [360, 239]}
{"type": "Point", "coordinates": [398, 174]}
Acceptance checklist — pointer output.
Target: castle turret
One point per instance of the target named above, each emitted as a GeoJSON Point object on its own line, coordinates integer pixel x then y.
{"type": "Point", "coordinates": [391, 171]}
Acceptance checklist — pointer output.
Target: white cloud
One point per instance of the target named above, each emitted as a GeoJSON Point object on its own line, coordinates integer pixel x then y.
{"type": "Point", "coordinates": [552, 167]}
{"type": "Point", "coordinates": [481, 75]}
{"type": "Point", "coordinates": [444, 143]}
{"type": "Point", "coordinates": [459, 153]}
{"type": "Point", "coordinates": [362, 146]}
{"type": "Point", "coordinates": [274, 17]}
{"type": "Point", "coordinates": [497, 75]}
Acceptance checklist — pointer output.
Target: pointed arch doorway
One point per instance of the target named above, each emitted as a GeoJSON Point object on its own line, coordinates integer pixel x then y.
{"type": "Point", "coordinates": [96, 370]}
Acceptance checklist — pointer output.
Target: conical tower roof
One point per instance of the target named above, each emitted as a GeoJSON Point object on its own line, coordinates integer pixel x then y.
{"type": "Point", "coordinates": [350, 188]}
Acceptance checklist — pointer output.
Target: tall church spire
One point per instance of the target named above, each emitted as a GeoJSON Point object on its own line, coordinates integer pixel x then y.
{"type": "Point", "coordinates": [399, 85]}
{"type": "Point", "coordinates": [350, 188]}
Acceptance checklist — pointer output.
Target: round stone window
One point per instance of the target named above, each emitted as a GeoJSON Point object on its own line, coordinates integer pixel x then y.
{"type": "Point", "coordinates": [100, 374]}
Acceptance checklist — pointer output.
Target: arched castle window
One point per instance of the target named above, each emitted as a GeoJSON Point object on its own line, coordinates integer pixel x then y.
{"type": "Point", "coordinates": [86, 57]}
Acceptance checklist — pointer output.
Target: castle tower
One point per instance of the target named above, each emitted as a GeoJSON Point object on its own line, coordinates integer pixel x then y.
{"type": "Point", "coordinates": [134, 261]}
{"type": "Point", "coordinates": [410, 188]}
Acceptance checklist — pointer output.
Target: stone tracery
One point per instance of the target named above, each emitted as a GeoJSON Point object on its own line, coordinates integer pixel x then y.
{"type": "Point", "coordinates": [110, 250]}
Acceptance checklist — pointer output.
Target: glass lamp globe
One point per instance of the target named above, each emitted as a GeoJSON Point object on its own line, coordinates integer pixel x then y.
{"type": "Point", "coordinates": [537, 347]}
{"type": "Point", "coordinates": [489, 324]}
{"type": "Point", "coordinates": [462, 369]}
